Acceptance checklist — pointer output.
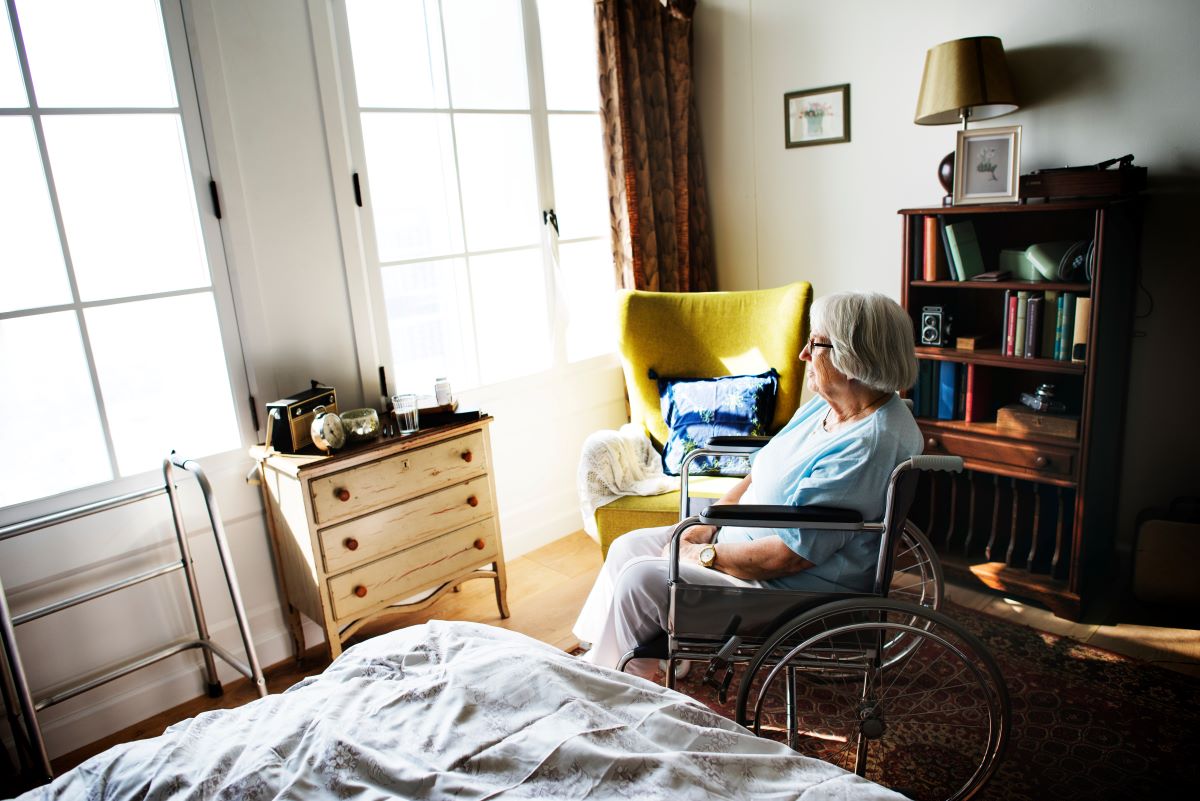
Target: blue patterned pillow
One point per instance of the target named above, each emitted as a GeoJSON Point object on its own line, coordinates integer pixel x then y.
{"type": "Point", "coordinates": [698, 409]}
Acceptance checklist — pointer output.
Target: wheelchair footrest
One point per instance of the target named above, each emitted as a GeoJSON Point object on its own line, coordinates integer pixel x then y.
{"type": "Point", "coordinates": [722, 661]}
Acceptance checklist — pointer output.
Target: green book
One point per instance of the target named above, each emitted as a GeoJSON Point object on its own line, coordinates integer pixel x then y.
{"type": "Point", "coordinates": [964, 248]}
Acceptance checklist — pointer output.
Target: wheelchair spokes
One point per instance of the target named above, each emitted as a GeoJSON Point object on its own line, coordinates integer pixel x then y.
{"type": "Point", "coordinates": [825, 685]}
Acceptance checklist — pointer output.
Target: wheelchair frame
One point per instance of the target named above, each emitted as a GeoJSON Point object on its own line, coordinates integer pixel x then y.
{"type": "Point", "coordinates": [866, 639]}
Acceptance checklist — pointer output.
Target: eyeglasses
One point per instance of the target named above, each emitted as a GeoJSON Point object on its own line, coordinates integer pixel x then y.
{"type": "Point", "coordinates": [813, 344]}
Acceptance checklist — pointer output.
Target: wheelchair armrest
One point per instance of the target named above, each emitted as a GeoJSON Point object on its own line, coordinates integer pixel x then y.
{"type": "Point", "coordinates": [736, 444]}
{"type": "Point", "coordinates": [760, 516]}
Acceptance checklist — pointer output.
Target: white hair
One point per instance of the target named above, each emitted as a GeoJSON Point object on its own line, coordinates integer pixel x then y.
{"type": "Point", "coordinates": [872, 338]}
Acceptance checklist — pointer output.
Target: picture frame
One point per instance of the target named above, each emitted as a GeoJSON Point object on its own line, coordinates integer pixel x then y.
{"type": "Point", "coordinates": [817, 116]}
{"type": "Point", "coordinates": [987, 166]}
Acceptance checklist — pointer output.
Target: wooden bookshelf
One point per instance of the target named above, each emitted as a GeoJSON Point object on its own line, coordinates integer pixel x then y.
{"type": "Point", "coordinates": [1033, 514]}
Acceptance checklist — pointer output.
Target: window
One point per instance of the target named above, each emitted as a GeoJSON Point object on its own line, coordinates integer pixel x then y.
{"type": "Point", "coordinates": [111, 349]}
{"type": "Point", "coordinates": [474, 119]}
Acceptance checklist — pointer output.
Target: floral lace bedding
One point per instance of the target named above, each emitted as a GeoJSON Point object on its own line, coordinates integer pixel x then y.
{"type": "Point", "coordinates": [466, 711]}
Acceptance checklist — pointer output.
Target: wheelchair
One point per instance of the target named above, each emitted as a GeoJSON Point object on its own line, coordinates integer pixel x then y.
{"type": "Point", "coordinates": [874, 682]}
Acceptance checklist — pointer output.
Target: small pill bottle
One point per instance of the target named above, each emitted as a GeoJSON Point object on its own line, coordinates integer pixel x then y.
{"type": "Point", "coordinates": [441, 392]}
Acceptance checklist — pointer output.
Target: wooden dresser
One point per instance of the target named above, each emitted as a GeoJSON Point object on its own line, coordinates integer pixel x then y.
{"type": "Point", "coordinates": [360, 533]}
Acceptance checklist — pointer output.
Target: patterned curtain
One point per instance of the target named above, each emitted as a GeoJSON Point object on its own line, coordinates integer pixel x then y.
{"type": "Point", "coordinates": [657, 201]}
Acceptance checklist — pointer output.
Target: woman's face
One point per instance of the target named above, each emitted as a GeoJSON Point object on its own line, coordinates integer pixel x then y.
{"type": "Point", "coordinates": [821, 376]}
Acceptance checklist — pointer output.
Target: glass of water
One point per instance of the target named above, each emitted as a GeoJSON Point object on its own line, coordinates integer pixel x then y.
{"type": "Point", "coordinates": [405, 409]}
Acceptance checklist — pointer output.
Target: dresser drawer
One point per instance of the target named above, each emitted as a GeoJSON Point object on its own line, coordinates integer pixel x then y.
{"type": "Point", "coordinates": [402, 574]}
{"type": "Point", "coordinates": [367, 538]}
{"type": "Point", "coordinates": [405, 475]}
{"type": "Point", "coordinates": [1033, 457]}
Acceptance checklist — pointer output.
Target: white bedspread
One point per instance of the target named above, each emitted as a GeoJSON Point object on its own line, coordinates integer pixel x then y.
{"type": "Point", "coordinates": [466, 711]}
{"type": "Point", "coordinates": [617, 463]}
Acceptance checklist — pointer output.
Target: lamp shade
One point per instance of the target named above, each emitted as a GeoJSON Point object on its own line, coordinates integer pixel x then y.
{"type": "Point", "coordinates": [966, 77]}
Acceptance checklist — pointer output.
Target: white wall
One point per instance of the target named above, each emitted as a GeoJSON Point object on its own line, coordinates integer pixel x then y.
{"type": "Point", "coordinates": [266, 139]}
{"type": "Point", "coordinates": [1097, 79]}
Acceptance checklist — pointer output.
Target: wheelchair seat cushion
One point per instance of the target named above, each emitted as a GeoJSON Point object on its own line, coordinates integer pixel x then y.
{"type": "Point", "coordinates": [696, 410]}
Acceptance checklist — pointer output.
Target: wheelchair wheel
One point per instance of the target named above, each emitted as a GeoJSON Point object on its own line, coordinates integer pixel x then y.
{"type": "Point", "coordinates": [917, 576]}
{"type": "Point", "coordinates": [933, 724]}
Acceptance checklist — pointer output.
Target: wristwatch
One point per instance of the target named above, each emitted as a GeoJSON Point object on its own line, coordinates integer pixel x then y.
{"type": "Point", "coordinates": [708, 555]}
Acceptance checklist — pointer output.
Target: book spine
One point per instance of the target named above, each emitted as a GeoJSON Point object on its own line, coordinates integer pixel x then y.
{"type": "Point", "coordinates": [953, 260]}
{"type": "Point", "coordinates": [1019, 334]}
{"type": "Point", "coordinates": [1068, 326]}
{"type": "Point", "coordinates": [1049, 319]}
{"type": "Point", "coordinates": [1033, 327]}
{"type": "Point", "coordinates": [969, 411]}
{"type": "Point", "coordinates": [947, 384]}
{"type": "Point", "coordinates": [928, 390]}
{"type": "Point", "coordinates": [1079, 341]}
{"type": "Point", "coordinates": [1058, 327]}
{"type": "Point", "coordinates": [1010, 324]}
{"type": "Point", "coordinates": [932, 248]}
{"type": "Point", "coordinates": [960, 394]}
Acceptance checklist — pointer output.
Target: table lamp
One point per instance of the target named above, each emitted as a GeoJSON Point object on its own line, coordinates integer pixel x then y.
{"type": "Point", "coordinates": [964, 79]}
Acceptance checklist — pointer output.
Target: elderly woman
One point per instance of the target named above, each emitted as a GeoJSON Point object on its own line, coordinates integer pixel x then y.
{"type": "Point", "coordinates": [838, 450]}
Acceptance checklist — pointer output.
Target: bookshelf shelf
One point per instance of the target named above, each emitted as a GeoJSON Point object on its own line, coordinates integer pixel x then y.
{"type": "Point", "coordinates": [1034, 513]}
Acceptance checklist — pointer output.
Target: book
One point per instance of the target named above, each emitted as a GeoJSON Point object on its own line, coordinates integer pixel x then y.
{"type": "Point", "coordinates": [1018, 348]}
{"type": "Point", "coordinates": [1079, 337]}
{"type": "Point", "coordinates": [928, 396]}
{"type": "Point", "coordinates": [1033, 327]}
{"type": "Point", "coordinates": [960, 394]}
{"type": "Point", "coordinates": [964, 249]}
{"type": "Point", "coordinates": [934, 257]}
{"type": "Point", "coordinates": [978, 405]}
{"type": "Point", "coordinates": [1010, 322]}
{"type": "Point", "coordinates": [994, 275]}
{"type": "Point", "coordinates": [1008, 293]}
{"type": "Point", "coordinates": [951, 265]}
{"type": "Point", "coordinates": [1049, 320]}
{"type": "Point", "coordinates": [947, 385]}
{"type": "Point", "coordinates": [1066, 327]}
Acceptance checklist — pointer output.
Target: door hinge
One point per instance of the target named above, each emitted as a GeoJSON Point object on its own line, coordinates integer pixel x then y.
{"type": "Point", "coordinates": [357, 191]}
{"type": "Point", "coordinates": [216, 200]}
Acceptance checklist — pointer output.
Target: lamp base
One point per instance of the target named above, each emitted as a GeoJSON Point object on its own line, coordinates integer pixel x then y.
{"type": "Point", "coordinates": [946, 177]}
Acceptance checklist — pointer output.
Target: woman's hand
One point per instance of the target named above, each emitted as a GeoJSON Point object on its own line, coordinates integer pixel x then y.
{"type": "Point", "coordinates": [696, 535]}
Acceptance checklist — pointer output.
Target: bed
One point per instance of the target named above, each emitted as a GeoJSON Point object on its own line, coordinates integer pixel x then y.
{"type": "Point", "coordinates": [461, 710]}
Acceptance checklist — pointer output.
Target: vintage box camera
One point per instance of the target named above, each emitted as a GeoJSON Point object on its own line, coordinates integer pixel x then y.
{"type": "Point", "coordinates": [935, 326]}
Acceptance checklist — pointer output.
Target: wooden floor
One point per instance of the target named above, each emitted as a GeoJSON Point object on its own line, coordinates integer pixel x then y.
{"type": "Point", "coordinates": [547, 587]}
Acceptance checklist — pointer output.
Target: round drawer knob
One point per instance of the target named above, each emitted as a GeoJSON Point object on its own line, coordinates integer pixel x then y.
{"type": "Point", "coordinates": [1041, 461]}
{"type": "Point", "coordinates": [342, 494]}
{"type": "Point", "coordinates": [472, 501]}
{"type": "Point", "coordinates": [932, 442]}
{"type": "Point", "coordinates": [480, 544]}
{"type": "Point", "coordinates": [360, 591]}
{"type": "Point", "coordinates": [467, 456]}
{"type": "Point", "coordinates": [351, 544]}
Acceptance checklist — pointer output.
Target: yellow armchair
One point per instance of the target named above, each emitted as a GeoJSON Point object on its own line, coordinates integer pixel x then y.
{"type": "Point", "coordinates": [701, 335]}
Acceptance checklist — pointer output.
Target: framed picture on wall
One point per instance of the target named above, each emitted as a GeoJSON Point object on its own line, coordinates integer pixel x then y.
{"type": "Point", "coordinates": [817, 116]}
{"type": "Point", "coordinates": [987, 166]}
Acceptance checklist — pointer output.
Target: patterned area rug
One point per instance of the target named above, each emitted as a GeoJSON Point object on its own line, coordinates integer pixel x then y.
{"type": "Point", "coordinates": [1087, 723]}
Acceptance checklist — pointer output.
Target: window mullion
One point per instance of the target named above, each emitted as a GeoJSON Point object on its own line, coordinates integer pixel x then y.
{"type": "Point", "coordinates": [540, 127]}
{"type": "Point", "coordinates": [68, 263]}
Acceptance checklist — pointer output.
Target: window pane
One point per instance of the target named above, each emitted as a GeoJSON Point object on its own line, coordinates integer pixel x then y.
{"type": "Point", "coordinates": [31, 262]}
{"type": "Point", "coordinates": [12, 85]}
{"type": "Point", "coordinates": [164, 380]}
{"type": "Point", "coordinates": [569, 54]}
{"type": "Point", "coordinates": [390, 38]}
{"type": "Point", "coordinates": [84, 53]}
{"type": "Point", "coordinates": [495, 158]}
{"type": "Point", "coordinates": [590, 286]}
{"type": "Point", "coordinates": [511, 327]}
{"type": "Point", "coordinates": [428, 318]}
{"type": "Point", "coordinates": [414, 193]}
{"type": "Point", "coordinates": [580, 183]}
{"type": "Point", "coordinates": [128, 203]}
{"type": "Point", "coordinates": [53, 422]}
{"type": "Point", "coordinates": [485, 46]}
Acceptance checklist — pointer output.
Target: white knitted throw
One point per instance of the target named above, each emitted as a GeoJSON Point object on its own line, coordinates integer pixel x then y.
{"type": "Point", "coordinates": [617, 463]}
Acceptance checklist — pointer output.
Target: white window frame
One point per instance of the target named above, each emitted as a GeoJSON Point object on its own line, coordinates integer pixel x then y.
{"type": "Point", "coordinates": [195, 140]}
{"type": "Point", "coordinates": [335, 74]}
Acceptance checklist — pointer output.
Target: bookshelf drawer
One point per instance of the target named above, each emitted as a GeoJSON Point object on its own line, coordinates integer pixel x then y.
{"type": "Point", "coordinates": [1036, 458]}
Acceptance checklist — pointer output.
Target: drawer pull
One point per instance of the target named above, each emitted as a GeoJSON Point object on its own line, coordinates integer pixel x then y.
{"type": "Point", "coordinates": [342, 494]}
{"type": "Point", "coordinates": [932, 442]}
{"type": "Point", "coordinates": [480, 544]}
{"type": "Point", "coordinates": [360, 591]}
{"type": "Point", "coordinates": [351, 544]}
{"type": "Point", "coordinates": [472, 501]}
{"type": "Point", "coordinates": [1040, 462]}
{"type": "Point", "coordinates": [467, 456]}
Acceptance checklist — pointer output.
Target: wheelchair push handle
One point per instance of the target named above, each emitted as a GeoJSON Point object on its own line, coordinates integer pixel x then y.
{"type": "Point", "coordinates": [949, 464]}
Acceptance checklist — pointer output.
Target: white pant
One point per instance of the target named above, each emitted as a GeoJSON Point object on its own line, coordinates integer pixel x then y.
{"type": "Point", "coordinates": [628, 603]}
